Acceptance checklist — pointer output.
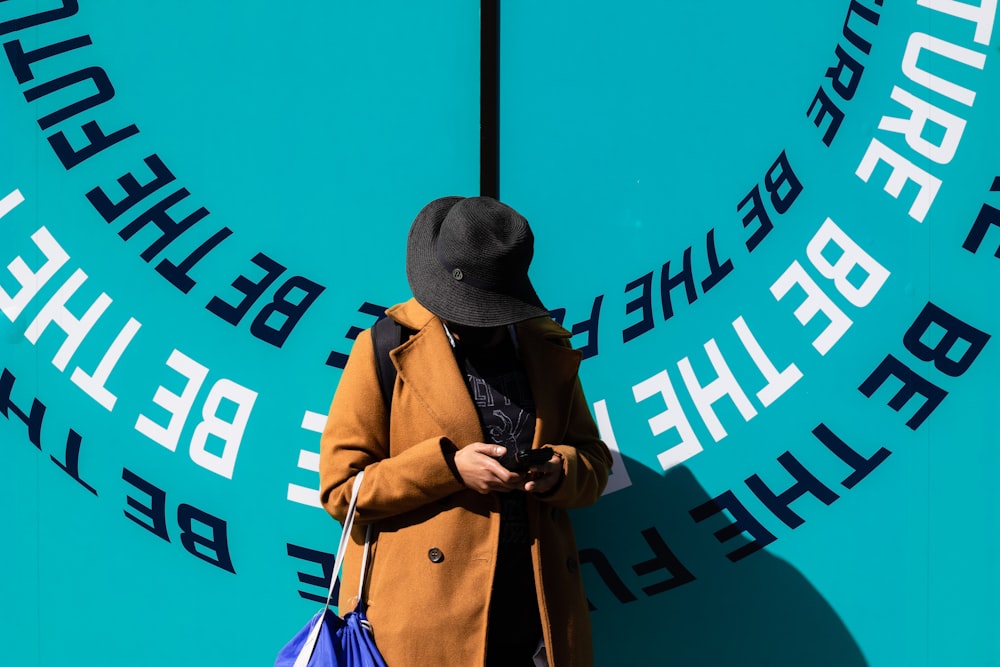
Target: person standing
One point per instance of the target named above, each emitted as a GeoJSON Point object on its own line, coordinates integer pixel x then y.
{"type": "Point", "coordinates": [470, 469]}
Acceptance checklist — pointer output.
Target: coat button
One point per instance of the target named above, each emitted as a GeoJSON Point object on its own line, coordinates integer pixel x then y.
{"type": "Point", "coordinates": [436, 555]}
{"type": "Point", "coordinates": [571, 564]}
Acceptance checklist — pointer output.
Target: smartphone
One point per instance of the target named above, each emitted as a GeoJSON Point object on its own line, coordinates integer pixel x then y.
{"type": "Point", "coordinates": [520, 460]}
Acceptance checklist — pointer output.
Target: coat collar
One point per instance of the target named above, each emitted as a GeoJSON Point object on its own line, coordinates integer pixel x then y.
{"type": "Point", "coordinates": [427, 364]}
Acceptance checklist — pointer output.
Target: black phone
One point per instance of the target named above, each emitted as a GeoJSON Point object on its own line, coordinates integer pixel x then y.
{"type": "Point", "coordinates": [517, 460]}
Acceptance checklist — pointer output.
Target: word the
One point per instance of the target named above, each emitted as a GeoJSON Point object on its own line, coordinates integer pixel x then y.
{"type": "Point", "coordinates": [743, 523]}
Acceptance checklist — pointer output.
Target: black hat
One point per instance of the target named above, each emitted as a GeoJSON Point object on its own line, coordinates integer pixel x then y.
{"type": "Point", "coordinates": [467, 262]}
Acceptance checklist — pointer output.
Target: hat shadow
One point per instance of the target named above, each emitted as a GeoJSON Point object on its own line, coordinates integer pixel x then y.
{"type": "Point", "coordinates": [701, 608]}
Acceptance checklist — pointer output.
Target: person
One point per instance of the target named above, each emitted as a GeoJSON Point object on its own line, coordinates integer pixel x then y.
{"type": "Point", "coordinates": [473, 559]}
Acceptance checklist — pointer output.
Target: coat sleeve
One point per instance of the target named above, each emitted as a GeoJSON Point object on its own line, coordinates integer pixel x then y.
{"type": "Point", "coordinates": [586, 459]}
{"type": "Point", "coordinates": [356, 437]}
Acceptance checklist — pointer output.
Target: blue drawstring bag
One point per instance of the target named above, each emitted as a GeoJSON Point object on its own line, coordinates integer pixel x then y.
{"type": "Point", "coordinates": [331, 640]}
{"type": "Point", "coordinates": [328, 640]}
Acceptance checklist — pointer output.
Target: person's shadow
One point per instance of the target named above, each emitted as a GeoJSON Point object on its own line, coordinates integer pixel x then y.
{"type": "Point", "coordinates": [663, 591]}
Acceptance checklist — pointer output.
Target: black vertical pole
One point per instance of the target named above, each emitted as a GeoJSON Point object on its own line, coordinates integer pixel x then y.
{"type": "Point", "coordinates": [489, 99]}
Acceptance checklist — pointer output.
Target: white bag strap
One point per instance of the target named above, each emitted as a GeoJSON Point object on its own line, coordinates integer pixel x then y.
{"type": "Point", "coordinates": [345, 537]}
{"type": "Point", "coordinates": [305, 653]}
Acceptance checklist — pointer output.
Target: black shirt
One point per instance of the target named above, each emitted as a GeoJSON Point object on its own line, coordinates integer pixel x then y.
{"type": "Point", "coordinates": [499, 388]}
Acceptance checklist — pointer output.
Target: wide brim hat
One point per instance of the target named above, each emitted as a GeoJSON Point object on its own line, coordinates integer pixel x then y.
{"type": "Point", "coordinates": [467, 262]}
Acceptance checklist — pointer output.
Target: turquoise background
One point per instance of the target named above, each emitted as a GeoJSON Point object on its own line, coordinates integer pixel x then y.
{"type": "Point", "coordinates": [316, 133]}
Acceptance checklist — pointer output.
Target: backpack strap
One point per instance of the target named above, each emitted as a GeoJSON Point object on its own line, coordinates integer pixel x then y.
{"type": "Point", "coordinates": [387, 334]}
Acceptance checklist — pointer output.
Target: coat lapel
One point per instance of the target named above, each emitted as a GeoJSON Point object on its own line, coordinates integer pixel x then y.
{"type": "Point", "coordinates": [427, 366]}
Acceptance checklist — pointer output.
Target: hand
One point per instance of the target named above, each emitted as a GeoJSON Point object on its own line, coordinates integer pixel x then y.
{"type": "Point", "coordinates": [544, 477]}
{"type": "Point", "coordinates": [480, 471]}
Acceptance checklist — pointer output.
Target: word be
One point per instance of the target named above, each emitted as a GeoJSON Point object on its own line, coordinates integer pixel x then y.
{"type": "Point", "coordinates": [934, 337]}
{"type": "Point", "coordinates": [151, 514]}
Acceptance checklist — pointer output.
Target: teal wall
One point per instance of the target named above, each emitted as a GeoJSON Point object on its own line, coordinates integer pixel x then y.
{"type": "Point", "coordinates": [771, 226]}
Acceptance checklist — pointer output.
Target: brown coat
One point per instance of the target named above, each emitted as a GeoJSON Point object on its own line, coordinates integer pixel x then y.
{"type": "Point", "coordinates": [436, 542]}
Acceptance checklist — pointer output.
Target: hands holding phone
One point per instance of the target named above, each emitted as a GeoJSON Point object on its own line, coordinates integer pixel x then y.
{"type": "Point", "coordinates": [480, 467]}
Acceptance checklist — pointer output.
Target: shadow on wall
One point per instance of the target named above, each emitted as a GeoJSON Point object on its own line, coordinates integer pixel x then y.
{"type": "Point", "coordinates": [663, 591]}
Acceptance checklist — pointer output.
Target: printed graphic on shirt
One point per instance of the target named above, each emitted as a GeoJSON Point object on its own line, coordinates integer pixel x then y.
{"type": "Point", "coordinates": [505, 406]}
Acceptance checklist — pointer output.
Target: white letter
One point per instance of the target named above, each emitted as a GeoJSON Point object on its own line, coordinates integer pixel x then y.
{"type": "Point", "coordinates": [913, 127]}
{"type": "Point", "coordinates": [902, 171]}
{"type": "Point", "coordinates": [815, 302]}
{"type": "Point", "coordinates": [917, 43]}
{"type": "Point", "coordinates": [618, 479]}
{"type": "Point", "coordinates": [76, 329]}
{"type": "Point", "coordinates": [231, 433]}
{"type": "Point", "coordinates": [981, 15]}
{"type": "Point", "coordinates": [724, 384]}
{"type": "Point", "coordinates": [777, 383]}
{"type": "Point", "coordinates": [672, 417]}
{"type": "Point", "coordinates": [10, 202]}
{"type": "Point", "coordinates": [93, 385]}
{"type": "Point", "coordinates": [31, 283]}
{"type": "Point", "coordinates": [308, 460]}
{"type": "Point", "coordinates": [179, 406]}
{"type": "Point", "coordinates": [851, 257]}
